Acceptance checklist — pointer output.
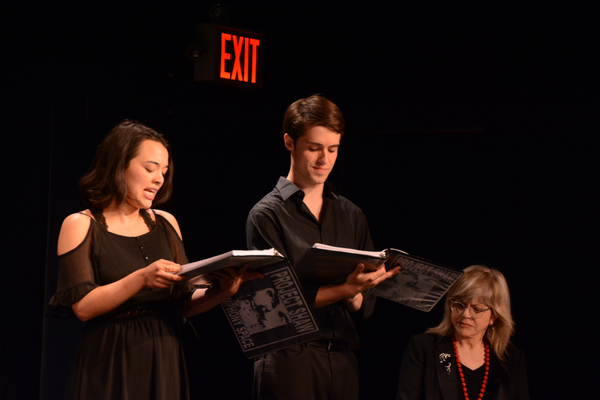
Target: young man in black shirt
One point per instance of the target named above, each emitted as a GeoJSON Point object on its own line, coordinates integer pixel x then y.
{"type": "Point", "coordinates": [304, 209]}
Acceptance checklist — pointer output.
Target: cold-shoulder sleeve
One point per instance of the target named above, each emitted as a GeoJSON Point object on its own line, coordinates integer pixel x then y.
{"type": "Point", "coordinates": [75, 274]}
{"type": "Point", "coordinates": [182, 290]}
{"type": "Point", "coordinates": [175, 242]}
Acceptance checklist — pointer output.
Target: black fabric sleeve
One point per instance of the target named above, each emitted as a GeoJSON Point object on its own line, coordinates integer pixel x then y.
{"type": "Point", "coordinates": [75, 274]}
{"type": "Point", "coordinates": [521, 385]}
{"type": "Point", "coordinates": [263, 232]}
{"type": "Point", "coordinates": [412, 371]}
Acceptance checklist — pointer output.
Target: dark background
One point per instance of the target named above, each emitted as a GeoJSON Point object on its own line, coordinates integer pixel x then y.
{"type": "Point", "coordinates": [471, 138]}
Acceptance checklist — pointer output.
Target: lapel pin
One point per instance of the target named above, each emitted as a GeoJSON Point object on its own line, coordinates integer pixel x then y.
{"type": "Point", "coordinates": [443, 358]}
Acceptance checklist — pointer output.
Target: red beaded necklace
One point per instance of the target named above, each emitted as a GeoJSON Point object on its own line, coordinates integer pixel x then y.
{"type": "Point", "coordinates": [462, 376]}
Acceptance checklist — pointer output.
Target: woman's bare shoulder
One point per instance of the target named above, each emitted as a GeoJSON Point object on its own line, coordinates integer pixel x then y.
{"type": "Point", "coordinates": [73, 230]}
{"type": "Point", "coordinates": [172, 220]}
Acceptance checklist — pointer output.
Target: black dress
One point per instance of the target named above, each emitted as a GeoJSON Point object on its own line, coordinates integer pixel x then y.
{"type": "Point", "coordinates": [134, 351]}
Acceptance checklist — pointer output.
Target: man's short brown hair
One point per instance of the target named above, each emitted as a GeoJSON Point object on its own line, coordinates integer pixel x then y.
{"type": "Point", "coordinates": [311, 111]}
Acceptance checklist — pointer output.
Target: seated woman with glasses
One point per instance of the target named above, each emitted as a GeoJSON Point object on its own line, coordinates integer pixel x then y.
{"type": "Point", "coordinates": [468, 355]}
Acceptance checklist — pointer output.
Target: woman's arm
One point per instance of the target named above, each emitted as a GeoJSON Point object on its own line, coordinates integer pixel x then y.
{"type": "Point", "coordinates": [103, 299]}
{"type": "Point", "coordinates": [412, 371]}
{"type": "Point", "coordinates": [521, 383]}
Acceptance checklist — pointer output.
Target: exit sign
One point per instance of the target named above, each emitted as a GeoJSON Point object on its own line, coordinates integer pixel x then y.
{"type": "Point", "coordinates": [228, 56]}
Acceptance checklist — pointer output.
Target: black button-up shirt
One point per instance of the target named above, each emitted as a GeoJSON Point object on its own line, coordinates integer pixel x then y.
{"type": "Point", "coordinates": [282, 220]}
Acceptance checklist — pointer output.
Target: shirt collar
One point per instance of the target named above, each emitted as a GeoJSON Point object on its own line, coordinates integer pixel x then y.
{"type": "Point", "coordinates": [288, 189]}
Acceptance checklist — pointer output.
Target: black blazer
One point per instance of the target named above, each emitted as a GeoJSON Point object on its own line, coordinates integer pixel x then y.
{"type": "Point", "coordinates": [424, 373]}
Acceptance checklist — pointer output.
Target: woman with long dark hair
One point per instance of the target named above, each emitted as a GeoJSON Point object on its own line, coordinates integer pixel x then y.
{"type": "Point", "coordinates": [117, 265]}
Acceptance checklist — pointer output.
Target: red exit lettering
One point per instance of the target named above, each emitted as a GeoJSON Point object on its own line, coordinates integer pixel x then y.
{"type": "Point", "coordinates": [240, 44]}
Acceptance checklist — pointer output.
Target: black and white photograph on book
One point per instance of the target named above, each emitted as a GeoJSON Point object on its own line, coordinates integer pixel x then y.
{"type": "Point", "coordinates": [270, 313]}
{"type": "Point", "coordinates": [420, 283]}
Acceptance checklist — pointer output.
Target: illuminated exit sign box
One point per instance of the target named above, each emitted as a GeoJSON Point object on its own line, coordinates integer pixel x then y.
{"type": "Point", "coordinates": [228, 56]}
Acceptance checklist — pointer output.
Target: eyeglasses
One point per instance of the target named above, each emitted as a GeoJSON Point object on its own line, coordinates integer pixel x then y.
{"type": "Point", "coordinates": [475, 312]}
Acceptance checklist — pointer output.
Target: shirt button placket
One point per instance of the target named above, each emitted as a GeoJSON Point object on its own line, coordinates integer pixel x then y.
{"type": "Point", "coordinates": [142, 251]}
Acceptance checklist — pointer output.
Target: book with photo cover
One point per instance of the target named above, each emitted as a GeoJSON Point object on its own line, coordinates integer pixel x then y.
{"type": "Point", "coordinates": [270, 313]}
{"type": "Point", "coordinates": [420, 284]}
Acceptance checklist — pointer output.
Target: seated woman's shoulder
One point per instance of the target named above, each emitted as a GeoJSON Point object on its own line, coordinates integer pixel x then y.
{"type": "Point", "coordinates": [425, 339]}
{"type": "Point", "coordinates": [426, 336]}
{"type": "Point", "coordinates": [73, 230]}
